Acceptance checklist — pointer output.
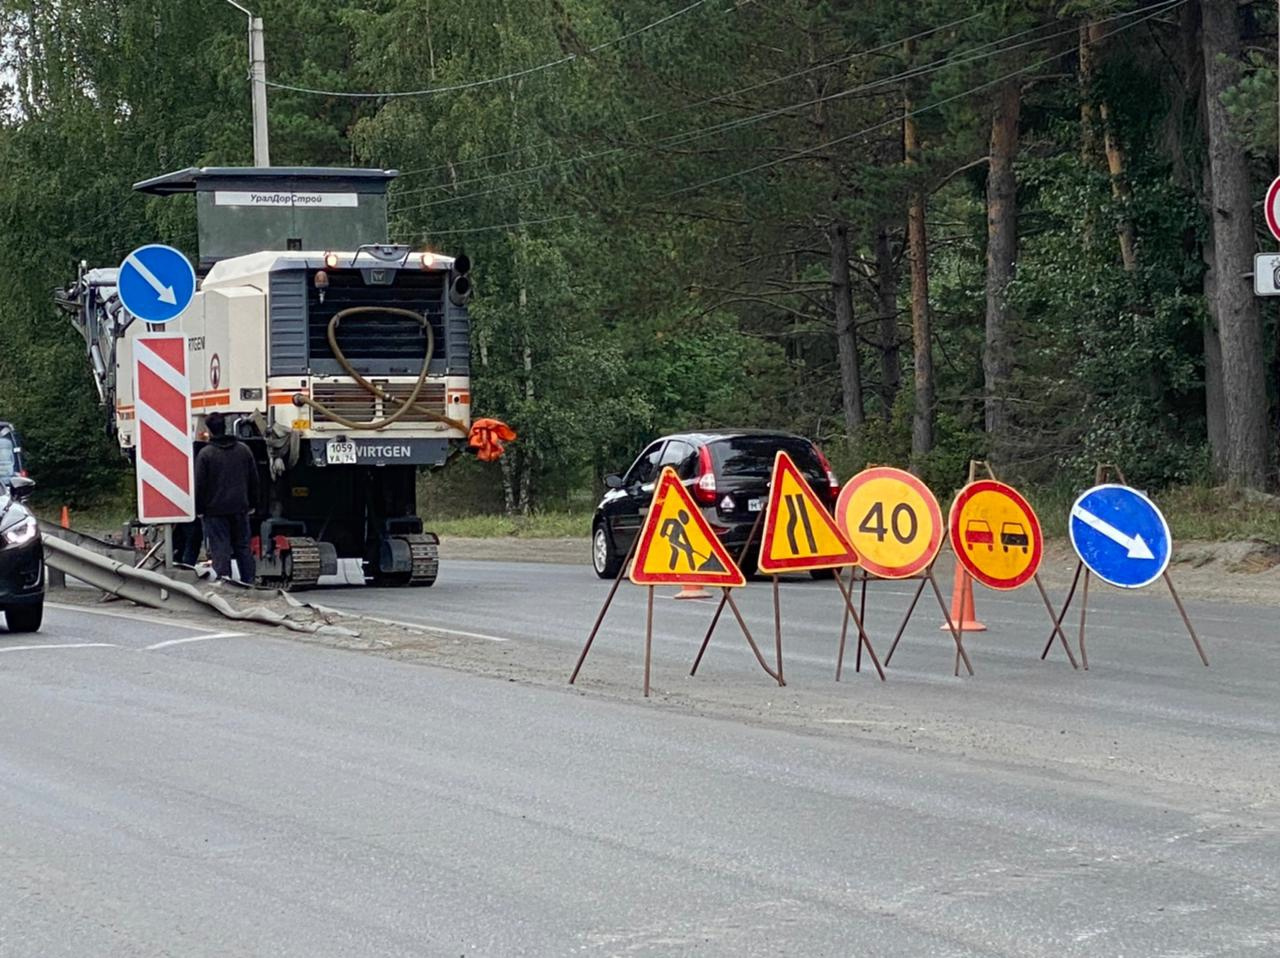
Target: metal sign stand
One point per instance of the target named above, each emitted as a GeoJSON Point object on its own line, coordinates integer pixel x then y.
{"type": "Point", "coordinates": [926, 578]}
{"type": "Point", "coordinates": [727, 599]}
{"type": "Point", "coordinates": [859, 618]}
{"type": "Point", "coordinates": [777, 619]}
{"type": "Point", "coordinates": [1044, 595]}
{"type": "Point", "coordinates": [1101, 475]}
{"type": "Point", "coordinates": [648, 632]}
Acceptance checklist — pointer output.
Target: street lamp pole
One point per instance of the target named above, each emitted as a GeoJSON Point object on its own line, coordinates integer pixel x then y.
{"type": "Point", "coordinates": [258, 76]}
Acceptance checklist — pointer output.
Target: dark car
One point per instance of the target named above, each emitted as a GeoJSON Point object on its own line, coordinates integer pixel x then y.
{"type": "Point", "coordinates": [726, 472]}
{"type": "Point", "coordinates": [11, 459]}
{"type": "Point", "coordinates": [21, 559]}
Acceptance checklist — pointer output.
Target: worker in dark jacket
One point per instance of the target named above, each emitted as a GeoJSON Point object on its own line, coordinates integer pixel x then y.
{"type": "Point", "coordinates": [226, 495]}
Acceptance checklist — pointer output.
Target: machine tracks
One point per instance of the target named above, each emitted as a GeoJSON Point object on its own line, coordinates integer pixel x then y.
{"type": "Point", "coordinates": [302, 564]}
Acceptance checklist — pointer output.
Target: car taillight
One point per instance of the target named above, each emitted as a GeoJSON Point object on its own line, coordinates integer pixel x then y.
{"type": "Point", "coordinates": [704, 490]}
{"type": "Point", "coordinates": [826, 467]}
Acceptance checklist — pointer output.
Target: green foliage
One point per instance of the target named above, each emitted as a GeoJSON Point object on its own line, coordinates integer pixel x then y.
{"type": "Point", "coordinates": [650, 218]}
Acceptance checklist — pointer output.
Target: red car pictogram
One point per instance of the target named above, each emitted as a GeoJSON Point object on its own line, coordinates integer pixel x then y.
{"type": "Point", "coordinates": [978, 532]}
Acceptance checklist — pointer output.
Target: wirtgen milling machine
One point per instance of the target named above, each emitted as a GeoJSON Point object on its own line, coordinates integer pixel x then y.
{"type": "Point", "coordinates": [341, 359]}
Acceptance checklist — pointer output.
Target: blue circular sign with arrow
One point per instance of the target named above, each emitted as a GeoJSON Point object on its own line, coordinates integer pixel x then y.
{"type": "Point", "coordinates": [1120, 535]}
{"type": "Point", "coordinates": [156, 283]}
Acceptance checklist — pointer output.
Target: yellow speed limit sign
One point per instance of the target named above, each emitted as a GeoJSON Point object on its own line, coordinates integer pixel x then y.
{"type": "Point", "coordinates": [893, 521]}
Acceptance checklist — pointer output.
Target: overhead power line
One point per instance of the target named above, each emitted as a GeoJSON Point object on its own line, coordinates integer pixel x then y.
{"type": "Point", "coordinates": [809, 151]}
{"type": "Point", "coordinates": [985, 51]}
{"type": "Point", "coordinates": [489, 81]}
{"type": "Point", "coordinates": [825, 65]}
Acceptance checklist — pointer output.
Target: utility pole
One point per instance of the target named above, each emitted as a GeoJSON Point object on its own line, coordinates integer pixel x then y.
{"type": "Point", "coordinates": [258, 77]}
{"type": "Point", "coordinates": [258, 68]}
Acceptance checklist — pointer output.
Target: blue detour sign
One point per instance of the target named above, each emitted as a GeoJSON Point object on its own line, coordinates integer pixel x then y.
{"type": "Point", "coordinates": [1120, 536]}
{"type": "Point", "coordinates": [156, 283]}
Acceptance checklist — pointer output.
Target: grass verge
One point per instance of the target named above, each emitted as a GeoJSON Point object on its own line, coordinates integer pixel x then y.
{"type": "Point", "coordinates": [1194, 512]}
{"type": "Point", "coordinates": [539, 525]}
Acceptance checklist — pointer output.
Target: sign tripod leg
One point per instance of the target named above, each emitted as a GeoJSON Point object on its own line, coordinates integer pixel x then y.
{"type": "Point", "coordinates": [862, 613]}
{"type": "Point", "coordinates": [857, 620]}
{"type": "Point", "coordinates": [1057, 622]}
{"type": "Point", "coordinates": [726, 598]}
{"type": "Point", "coordinates": [956, 634]}
{"type": "Point", "coordinates": [648, 642]}
{"type": "Point", "coordinates": [742, 624]}
{"type": "Point", "coordinates": [1057, 626]}
{"type": "Point", "coordinates": [706, 639]}
{"type": "Point", "coordinates": [1084, 608]}
{"type": "Point", "coordinates": [844, 625]}
{"type": "Point", "coordinates": [906, 618]}
{"type": "Point", "coordinates": [604, 609]}
{"type": "Point", "coordinates": [777, 631]}
{"type": "Point", "coordinates": [1186, 620]}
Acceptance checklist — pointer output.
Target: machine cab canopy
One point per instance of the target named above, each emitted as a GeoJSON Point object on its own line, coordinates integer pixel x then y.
{"type": "Point", "coordinates": [243, 210]}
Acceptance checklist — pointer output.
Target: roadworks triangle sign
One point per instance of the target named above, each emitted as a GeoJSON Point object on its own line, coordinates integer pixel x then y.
{"type": "Point", "coordinates": [677, 546]}
{"type": "Point", "coordinates": [799, 533]}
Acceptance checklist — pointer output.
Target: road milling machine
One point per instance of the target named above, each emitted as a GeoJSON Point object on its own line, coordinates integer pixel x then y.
{"type": "Point", "coordinates": [341, 359]}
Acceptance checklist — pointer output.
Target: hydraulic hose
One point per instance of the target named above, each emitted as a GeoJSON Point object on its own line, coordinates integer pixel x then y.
{"type": "Point", "coordinates": [404, 405]}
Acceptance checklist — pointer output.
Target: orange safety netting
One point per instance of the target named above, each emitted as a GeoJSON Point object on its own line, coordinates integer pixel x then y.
{"type": "Point", "coordinates": [487, 437]}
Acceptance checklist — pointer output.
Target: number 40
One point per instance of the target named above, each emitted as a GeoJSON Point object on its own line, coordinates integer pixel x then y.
{"type": "Point", "coordinates": [902, 519]}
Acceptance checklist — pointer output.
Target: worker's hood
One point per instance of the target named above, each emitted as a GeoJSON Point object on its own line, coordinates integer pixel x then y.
{"type": "Point", "coordinates": [223, 442]}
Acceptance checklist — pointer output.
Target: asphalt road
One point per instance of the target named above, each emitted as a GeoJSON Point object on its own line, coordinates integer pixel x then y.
{"type": "Point", "coordinates": [170, 790]}
{"type": "Point", "coordinates": [1139, 634]}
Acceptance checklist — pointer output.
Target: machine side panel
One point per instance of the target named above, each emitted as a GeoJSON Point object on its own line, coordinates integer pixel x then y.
{"type": "Point", "coordinates": [235, 336]}
{"type": "Point", "coordinates": [288, 323]}
{"type": "Point", "coordinates": [458, 332]}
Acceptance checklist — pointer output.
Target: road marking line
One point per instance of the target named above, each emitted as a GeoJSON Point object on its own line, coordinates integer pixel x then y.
{"type": "Point", "coordinates": [191, 625]}
{"type": "Point", "coordinates": [432, 628]}
{"type": "Point", "coordinates": [60, 645]}
{"type": "Point", "coordinates": [415, 626]}
{"type": "Point", "coordinates": [192, 638]}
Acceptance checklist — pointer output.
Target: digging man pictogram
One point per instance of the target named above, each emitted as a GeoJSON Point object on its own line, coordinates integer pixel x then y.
{"type": "Point", "coordinates": [675, 531]}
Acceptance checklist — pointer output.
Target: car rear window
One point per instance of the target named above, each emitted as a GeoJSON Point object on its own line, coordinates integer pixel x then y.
{"type": "Point", "coordinates": [751, 457]}
{"type": "Point", "coordinates": [7, 459]}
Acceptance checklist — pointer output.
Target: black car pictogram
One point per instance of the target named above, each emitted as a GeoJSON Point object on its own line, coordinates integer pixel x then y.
{"type": "Point", "coordinates": [1014, 534]}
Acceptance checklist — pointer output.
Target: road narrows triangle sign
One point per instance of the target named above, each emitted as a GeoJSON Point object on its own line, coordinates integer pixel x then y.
{"type": "Point", "coordinates": [799, 533]}
{"type": "Point", "coordinates": [677, 545]}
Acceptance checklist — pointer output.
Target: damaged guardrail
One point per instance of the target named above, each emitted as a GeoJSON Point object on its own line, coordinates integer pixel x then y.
{"type": "Point", "coordinates": [156, 591]}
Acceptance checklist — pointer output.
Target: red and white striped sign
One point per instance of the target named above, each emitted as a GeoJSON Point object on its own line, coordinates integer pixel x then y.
{"type": "Point", "coordinates": [162, 393]}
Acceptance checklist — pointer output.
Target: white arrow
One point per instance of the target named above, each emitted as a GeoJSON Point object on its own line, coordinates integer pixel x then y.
{"type": "Point", "coordinates": [164, 292]}
{"type": "Point", "coordinates": [1137, 548]}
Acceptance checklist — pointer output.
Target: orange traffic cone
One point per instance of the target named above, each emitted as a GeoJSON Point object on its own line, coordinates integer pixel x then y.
{"type": "Point", "coordinates": [692, 592]}
{"type": "Point", "coordinates": [962, 612]}
{"type": "Point", "coordinates": [66, 518]}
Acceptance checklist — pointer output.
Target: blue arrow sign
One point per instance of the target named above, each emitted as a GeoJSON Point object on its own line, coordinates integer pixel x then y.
{"type": "Point", "coordinates": [156, 283]}
{"type": "Point", "coordinates": [1120, 535]}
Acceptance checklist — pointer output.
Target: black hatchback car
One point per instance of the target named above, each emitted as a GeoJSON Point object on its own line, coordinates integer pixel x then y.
{"type": "Point", "coordinates": [21, 559]}
{"type": "Point", "coordinates": [726, 472]}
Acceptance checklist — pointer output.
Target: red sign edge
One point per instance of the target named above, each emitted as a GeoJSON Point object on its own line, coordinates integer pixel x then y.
{"type": "Point", "coordinates": [1037, 555]}
{"type": "Point", "coordinates": [732, 578]}
{"type": "Point", "coordinates": [935, 513]}
{"type": "Point", "coordinates": [783, 461]}
{"type": "Point", "coordinates": [1268, 207]}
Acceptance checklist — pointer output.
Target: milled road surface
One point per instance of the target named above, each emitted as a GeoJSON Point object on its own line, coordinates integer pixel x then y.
{"type": "Point", "coordinates": [250, 795]}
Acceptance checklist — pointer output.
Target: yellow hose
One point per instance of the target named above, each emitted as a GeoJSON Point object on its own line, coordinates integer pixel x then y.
{"type": "Point", "coordinates": [372, 388]}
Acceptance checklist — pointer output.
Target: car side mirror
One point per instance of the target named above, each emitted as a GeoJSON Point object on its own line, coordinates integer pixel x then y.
{"type": "Point", "coordinates": [21, 487]}
{"type": "Point", "coordinates": [613, 482]}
